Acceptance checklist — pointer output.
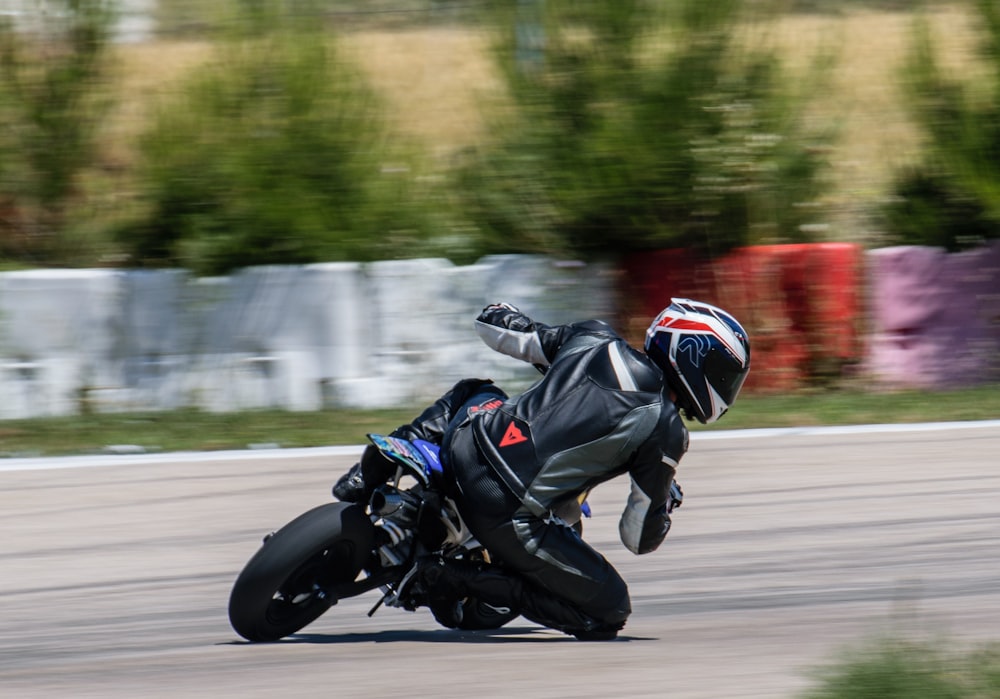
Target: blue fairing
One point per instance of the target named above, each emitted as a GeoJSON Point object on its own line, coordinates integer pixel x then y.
{"type": "Point", "coordinates": [432, 455]}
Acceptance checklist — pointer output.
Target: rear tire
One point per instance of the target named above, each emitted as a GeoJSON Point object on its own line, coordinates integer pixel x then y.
{"type": "Point", "coordinates": [282, 588]}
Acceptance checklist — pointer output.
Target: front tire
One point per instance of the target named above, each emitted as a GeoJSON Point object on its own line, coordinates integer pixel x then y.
{"type": "Point", "coordinates": [283, 587]}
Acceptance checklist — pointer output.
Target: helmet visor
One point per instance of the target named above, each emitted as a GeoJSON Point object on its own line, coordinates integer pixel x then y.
{"type": "Point", "coordinates": [725, 374]}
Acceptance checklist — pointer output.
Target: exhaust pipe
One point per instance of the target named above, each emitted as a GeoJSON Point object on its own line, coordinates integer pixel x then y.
{"type": "Point", "coordinates": [393, 504]}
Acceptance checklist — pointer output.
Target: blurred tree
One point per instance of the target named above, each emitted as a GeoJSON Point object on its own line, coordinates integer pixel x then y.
{"type": "Point", "coordinates": [951, 198]}
{"type": "Point", "coordinates": [272, 155]}
{"type": "Point", "coordinates": [53, 69]}
{"type": "Point", "coordinates": [620, 144]}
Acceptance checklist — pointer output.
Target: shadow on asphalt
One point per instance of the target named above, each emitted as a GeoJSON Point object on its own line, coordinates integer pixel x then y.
{"type": "Point", "coordinates": [532, 634]}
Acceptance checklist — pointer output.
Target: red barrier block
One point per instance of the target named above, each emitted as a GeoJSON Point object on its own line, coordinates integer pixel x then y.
{"type": "Point", "coordinates": [800, 303]}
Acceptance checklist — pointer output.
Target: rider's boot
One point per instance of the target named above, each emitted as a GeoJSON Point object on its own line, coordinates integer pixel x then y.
{"type": "Point", "coordinates": [358, 484]}
{"type": "Point", "coordinates": [492, 585]}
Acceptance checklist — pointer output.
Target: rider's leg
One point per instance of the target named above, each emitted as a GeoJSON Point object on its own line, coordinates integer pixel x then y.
{"type": "Point", "coordinates": [494, 585]}
{"type": "Point", "coordinates": [374, 469]}
{"type": "Point", "coordinates": [566, 584]}
{"type": "Point", "coordinates": [431, 424]}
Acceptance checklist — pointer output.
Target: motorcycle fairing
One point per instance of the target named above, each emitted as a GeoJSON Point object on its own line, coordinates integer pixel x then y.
{"type": "Point", "coordinates": [419, 457]}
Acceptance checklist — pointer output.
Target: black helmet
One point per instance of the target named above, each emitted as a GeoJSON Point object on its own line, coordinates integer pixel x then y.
{"type": "Point", "coordinates": [705, 356]}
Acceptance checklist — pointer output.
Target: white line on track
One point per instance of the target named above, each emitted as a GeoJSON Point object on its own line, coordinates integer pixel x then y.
{"type": "Point", "coordinates": [845, 429]}
{"type": "Point", "coordinates": [188, 457]}
{"type": "Point", "coordinates": [96, 460]}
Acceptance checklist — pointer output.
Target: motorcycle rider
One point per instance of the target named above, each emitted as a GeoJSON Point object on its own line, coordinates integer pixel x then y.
{"type": "Point", "coordinates": [521, 465]}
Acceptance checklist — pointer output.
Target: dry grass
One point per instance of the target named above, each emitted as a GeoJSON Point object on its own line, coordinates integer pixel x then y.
{"type": "Point", "coordinates": [146, 73]}
{"type": "Point", "coordinates": [436, 81]}
{"type": "Point", "coordinates": [865, 96]}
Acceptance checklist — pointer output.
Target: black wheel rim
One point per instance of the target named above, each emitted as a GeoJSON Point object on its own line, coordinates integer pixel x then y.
{"type": "Point", "coordinates": [306, 590]}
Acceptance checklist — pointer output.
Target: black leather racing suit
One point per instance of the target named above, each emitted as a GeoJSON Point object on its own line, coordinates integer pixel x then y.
{"type": "Point", "coordinates": [599, 411]}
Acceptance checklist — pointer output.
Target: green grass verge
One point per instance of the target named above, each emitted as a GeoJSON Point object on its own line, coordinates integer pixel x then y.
{"type": "Point", "coordinates": [186, 430]}
{"type": "Point", "coordinates": [904, 669]}
{"type": "Point", "coordinates": [197, 430]}
{"type": "Point", "coordinates": [851, 407]}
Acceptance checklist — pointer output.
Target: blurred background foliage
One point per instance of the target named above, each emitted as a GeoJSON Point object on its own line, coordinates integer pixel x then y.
{"type": "Point", "coordinates": [641, 126]}
{"type": "Point", "coordinates": [273, 153]}
{"type": "Point", "coordinates": [614, 126]}
{"type": "Point", "coordinates": [51, 105]}
{"type": "Point", "coordinates": [951, 198]}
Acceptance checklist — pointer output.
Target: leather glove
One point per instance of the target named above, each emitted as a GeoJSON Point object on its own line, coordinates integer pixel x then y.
{"type": "Point", "coordinates": [676, 496]}
{"type": "Point", "coordinates": [505, 306]}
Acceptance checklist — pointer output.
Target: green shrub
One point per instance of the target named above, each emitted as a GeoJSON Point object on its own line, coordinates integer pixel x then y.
{"type": "Point", "coordinates": [952, 198]}
{"type": "Point", "coordinates": [930, 209]}
{"type": "Point", "coordinates": [617, 147]}
{"type": "Point", "coordinates": [904, 669]}
{"type": "Point", "coordinates": [52, 100]}
{"type": "Point", "coordinates": [273, 154]}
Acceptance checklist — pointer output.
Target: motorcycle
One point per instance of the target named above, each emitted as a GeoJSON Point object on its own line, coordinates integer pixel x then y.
{"type": "Point", "coordinates": [341, 550]}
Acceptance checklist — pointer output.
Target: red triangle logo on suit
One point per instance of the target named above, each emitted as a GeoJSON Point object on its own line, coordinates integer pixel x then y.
{"type": "Point", "coordinates": [512, 436]}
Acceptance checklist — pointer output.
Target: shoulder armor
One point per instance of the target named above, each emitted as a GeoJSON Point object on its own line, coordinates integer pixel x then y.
{"type": "Point", "coordinates": [617, 366]}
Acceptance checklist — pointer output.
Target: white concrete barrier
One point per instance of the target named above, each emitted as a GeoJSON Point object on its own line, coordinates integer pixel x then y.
{"type": "Point", "coordinates": [297, 337]}
{"type": "Point", "coordinates": [58, 329]}
{"type": "Point", "coordinates": [278, 337]}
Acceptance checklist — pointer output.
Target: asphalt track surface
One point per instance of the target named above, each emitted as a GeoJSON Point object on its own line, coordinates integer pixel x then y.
{"type": "Point", "coordinates": [115, 574]}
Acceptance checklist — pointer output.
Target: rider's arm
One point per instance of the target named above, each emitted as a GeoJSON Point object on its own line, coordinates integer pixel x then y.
{"type": "Point", "coordinates": [646, 520]}
{"type": "Point", "coordinates": [508, 331]}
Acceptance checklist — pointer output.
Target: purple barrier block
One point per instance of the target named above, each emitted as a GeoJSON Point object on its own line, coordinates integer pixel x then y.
{"type": "Point", "coordinates": [935, 316]}
{"type": "Point", "coordinates": [975, 304]}
{"type": "Point", "coordinates": [907, 289]}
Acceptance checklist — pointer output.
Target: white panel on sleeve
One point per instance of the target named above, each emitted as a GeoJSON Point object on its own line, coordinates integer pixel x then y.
{"type": "Point", "coordinates": [520, 345]}
{"type": "Point", "coordinates": [633, 518]}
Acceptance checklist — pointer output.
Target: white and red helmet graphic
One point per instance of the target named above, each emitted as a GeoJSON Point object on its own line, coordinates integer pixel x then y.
{"type": "Point", "coordinates": [704, 353]}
